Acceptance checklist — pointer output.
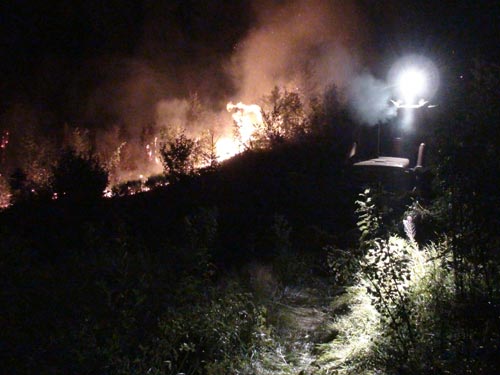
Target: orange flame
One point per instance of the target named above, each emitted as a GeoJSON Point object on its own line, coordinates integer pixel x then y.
{"type": "Point", "coordinates": [226, 148]}
{"type": "Point", "coordinates": [247, 118]}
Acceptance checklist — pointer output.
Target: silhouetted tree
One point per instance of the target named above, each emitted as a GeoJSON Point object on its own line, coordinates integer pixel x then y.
{"type": "Point", "coordinates": [78, 139]}
{"type": "Point", "coordinates": [20, 186]}
{"type": "Point", "coordinates": [208, 150]}
{"type": "Point", "coordinates": [467, 165]}
{"type": "Point", "coordinates": [179, 156]}
{"type": "Point", "coordinates": [286, 118]}
{"type": "Point", "coordinates": [79, 176]}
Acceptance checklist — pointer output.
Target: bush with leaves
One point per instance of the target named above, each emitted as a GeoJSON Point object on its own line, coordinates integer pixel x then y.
{"type": "Point", "coordinates": [421, 305]}
{"type": "Point", "coordinates": [179, 156]}
{"type": "Point", "coordinates": [203, 328]}
{"type": "Point", "coordinates": [467, 175]}
{"type": "Point", "coordinates": [22, 188]}
{"type": "Point", "coordinates": [467, 180]}
{"type": "Point", "coordinates": [79, 176]}
{"type": "Point", "coordinates": [285, 119]}
{"type": "Point", "coordinates": [368, 218]}
{"type": "Point", "coordinates": [123, 307]}
{"type": "Point", "coordinates": [127, 188]}
{"type": "Point", "coordinates": [343, 265]}
{"type": "Point", "coordinates": [38, 155]}
{"type": "Point", "coordinates": [415, 297]}
{"type": "Point", "coordinates": [155, 181]}
{"type": "Point", "coordinates": [220, 331]}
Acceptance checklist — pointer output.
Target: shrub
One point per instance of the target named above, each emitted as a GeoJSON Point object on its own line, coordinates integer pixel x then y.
{"type": "Point", "coordinates": [431, 314]}
{"type": "Point", "coordinates": [219, 333]}
{"type": "Point", "coordinates": [179, 156]}
{"type": "Point", "coordinates": [79, 176]}
{"type": "Point", "coordinates": [127, 188]}
{"type": "Point", "coordinates": [156, 181]}
{"type": "Point", "coordinates": [284, 121]}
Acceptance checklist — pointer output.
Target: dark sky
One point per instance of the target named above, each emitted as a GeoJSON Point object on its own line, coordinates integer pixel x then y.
{"type": "Point", "coordinates": [47, 45]}
{"type": "Point", "coordinates": [469, 29]}
{"type": "Point", "coordinates": [81, 29]}
{"type": "Point", "coordinates": [54, 39]}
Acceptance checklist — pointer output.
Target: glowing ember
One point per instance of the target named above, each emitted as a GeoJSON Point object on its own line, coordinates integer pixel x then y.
{"type": "Point", "coordinates": [152, 151]}
{"type": "Point", "coordinates": [4, 140]}
{"type": "Point", "coordinates": [246, 117]}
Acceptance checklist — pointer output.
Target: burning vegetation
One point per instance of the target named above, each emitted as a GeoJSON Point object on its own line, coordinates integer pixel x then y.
{"type": "Point", "coordinates": [129, 112]}
{"type": "Point", "coordinates": [175, 146]}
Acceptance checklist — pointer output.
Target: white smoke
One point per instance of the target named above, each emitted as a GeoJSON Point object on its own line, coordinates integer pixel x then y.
{"type": "Point", "coordinates": [369, 100]}
{"type": "Point", "coordinates": [308, 46]}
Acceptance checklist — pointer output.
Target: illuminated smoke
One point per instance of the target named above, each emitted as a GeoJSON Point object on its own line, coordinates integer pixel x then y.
{"type": "Point", "coordinates": [304, 45]}
{"type": "Point", "coordinates": [172, 114]}
{"type": "Point", "coordinates": [299, 45]}
{"type": "Point", "coordinates": [369, 100]}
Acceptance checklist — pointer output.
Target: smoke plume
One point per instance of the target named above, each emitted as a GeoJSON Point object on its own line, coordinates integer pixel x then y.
{"type": "Point", "coordinates": [304, 45]}
{"type": "Point", "coordinates": [189, 63]}
{"type": "Point", "coordinates": [369, 100]}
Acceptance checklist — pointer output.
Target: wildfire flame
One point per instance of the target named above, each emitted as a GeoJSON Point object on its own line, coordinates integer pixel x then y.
{"type": "Point", "coordinates": [226, 148]}
{"type": "Point", "coordinates": [247, 118]}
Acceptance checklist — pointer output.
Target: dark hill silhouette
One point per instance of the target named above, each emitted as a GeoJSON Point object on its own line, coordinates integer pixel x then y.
{"type": "Point", "coordinates": [302, 181]}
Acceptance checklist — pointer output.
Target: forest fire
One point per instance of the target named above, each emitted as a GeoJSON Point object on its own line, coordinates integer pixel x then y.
{"type": "Point", "coordinates": [134, 107]}
{"type": "Point", "coordinates": [123, 168]}
{"type": "Point", "coordinates": [226, 147]}
{"type": "Point", "coordinates": [247, 118]}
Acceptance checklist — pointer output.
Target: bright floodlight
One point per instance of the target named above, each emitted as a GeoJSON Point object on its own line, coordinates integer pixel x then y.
{"type": "Point", "coordinates": [411, 84]}
{"type": "Point", "coordinates": [414, 80]}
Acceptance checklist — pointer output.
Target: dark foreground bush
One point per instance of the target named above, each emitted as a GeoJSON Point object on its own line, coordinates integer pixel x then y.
{"type": "Point", "coordinates": [79, 177]}
{"type": "Point", "coordinates": [109, 305]}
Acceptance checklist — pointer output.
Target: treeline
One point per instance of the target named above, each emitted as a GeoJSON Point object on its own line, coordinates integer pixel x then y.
{"type": "Point", "coordinates": [32, 162]}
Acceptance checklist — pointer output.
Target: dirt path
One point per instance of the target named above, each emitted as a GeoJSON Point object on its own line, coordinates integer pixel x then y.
{"type": "Point", "coordinates": [303, 318]}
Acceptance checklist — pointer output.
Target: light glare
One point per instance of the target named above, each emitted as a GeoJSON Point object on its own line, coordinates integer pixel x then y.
{"type": "Point", "coordinates": [414, 80]}
{"type": "Point", "coordinates": [411, 84]}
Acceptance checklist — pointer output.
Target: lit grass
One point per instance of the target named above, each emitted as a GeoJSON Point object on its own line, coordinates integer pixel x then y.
{"type": "Point", "coordinates": [358, 329]}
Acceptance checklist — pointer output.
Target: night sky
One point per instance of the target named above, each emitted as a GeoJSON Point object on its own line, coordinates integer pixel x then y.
{"type": "Point", "coordinates": [54, 53]}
